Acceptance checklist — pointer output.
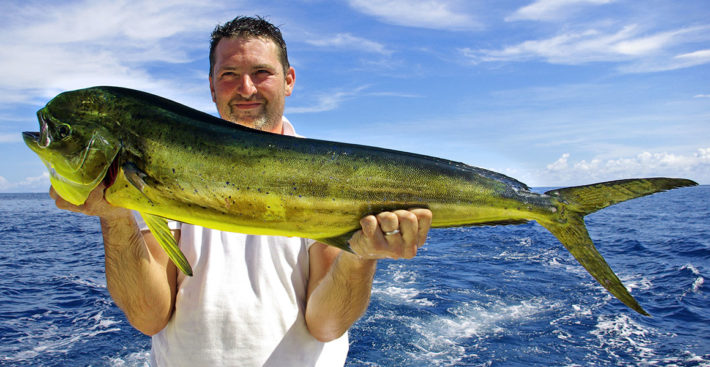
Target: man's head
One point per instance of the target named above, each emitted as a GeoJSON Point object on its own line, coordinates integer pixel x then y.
{"type": "Point", "coordinates": [248, 27]}
{"type": "Point", "coordinates": [249, 73]}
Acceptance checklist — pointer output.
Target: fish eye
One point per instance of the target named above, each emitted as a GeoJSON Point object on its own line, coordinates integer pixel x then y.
{"type": "Point", "coordinates": [63, 131]}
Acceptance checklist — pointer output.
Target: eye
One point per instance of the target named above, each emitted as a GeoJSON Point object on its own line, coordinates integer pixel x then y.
{"type": "Point", "coordinates": [63, 131]}
{"type": "Point", "coordinates": [227, 74]}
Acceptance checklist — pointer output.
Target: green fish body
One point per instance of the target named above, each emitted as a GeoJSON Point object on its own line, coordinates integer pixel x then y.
{"type": "Point", "coordinates": [166, 160]}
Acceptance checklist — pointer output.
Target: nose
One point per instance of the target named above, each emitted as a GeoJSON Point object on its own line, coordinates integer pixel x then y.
{"type": "Point", "coordinates": [246, 87]}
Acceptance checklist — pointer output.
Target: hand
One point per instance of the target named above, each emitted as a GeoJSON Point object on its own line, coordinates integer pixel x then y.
{"type": "Point", "coordinates": [376, 241]}
{"type": "Point", "coordinates": [94, 205]}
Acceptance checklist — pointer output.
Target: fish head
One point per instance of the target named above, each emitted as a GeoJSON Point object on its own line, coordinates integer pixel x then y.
{"type": "Point", "coordinates": [75, 141]}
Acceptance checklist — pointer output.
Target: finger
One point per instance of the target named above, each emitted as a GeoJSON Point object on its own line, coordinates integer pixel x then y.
{"type": "Point", "coordinates": [395, 246]}
{"type": "Point", "coordinates": [364, 242]}
{"type": "Point", "coordinates": [65, 205]}
{"type": "Point", "coordinates": [98, 192]}
{"type": "Point", "coordinates": [369, 225]}
{"type": "Point", "coordinates": [355, 242]}
{"type": "Point", "coordinates": [424, 219]}
{"type": "Point", "coordinates": [408, 226]}
{"type": "Point", "coordinates": [59, 201]}
{"type": "Point", "coordinates": [388, 221]}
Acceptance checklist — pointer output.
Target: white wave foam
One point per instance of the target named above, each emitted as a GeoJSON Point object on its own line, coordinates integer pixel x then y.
{"type": "Point", "coordinates": [687, 358]}
{"type": "Point", "coordinates": [442, 340]}
{"type": "Point", "coordinates": [402, 289]}
{"type": "Point", "coordinates": [638, 281]}
{"type": "Point", "coordinates": [401, 295]}
{"type": "Point", "coordinates": [621, 333]}
{"type": "Point", "coordinates": [697, 284]}
{"type": "Point", "coordinates": [136, 359]}
{"type": "Point", "coordinates": [404, 276]}
{"type": "Point", "coordinates": [60, 340]}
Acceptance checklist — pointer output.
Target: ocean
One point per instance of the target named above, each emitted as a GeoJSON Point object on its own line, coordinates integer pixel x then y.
{"type": "Point", "coordinates": [479, 296]}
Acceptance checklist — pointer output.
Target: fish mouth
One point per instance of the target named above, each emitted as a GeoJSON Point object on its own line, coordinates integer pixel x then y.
{"type": "Point", "coordinates": [32, 139]}
{"type": "Point", "coordinates": [31, 136]}
{"type": "Point", "coordinates": [41, 138]}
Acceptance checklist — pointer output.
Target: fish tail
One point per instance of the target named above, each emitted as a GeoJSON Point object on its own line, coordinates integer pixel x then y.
{"type": "Point", "coordinates": [568, 223]}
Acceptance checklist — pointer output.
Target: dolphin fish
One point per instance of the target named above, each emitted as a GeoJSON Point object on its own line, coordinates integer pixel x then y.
{"type": "Point", "coordinates": [166, 160]}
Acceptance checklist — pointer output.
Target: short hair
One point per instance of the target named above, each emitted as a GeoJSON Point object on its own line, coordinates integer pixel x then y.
{"type": "Point", "coordinates": [256, 27]}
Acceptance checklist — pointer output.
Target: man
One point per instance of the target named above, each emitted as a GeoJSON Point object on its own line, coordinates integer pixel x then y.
{"type": "Point", "coordinates": [254, 300]}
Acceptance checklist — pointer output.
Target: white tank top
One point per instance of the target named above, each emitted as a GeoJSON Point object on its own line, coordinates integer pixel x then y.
{"type": "Point", "coordinates": [244, 306]}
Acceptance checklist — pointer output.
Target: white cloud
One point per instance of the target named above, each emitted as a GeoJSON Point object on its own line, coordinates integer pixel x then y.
{"type": "Point", "coordinates": [695, 166]}
{"type": "Point", "coordinates": [334, 99]}
{"type": "Point", "coordinates": [10, 138]}
{"type": "Point", "coordinates": [59, 46]}
{"type": "Point", "coordinates": [701, 96]}
{"type": "Point", "coordinates": [434, 14]}
{"type": "Point", "coordinates": [348, 41]}
{"type": "Point", "coordinates": [28, 184]}
{"type": "Point", "coordinates": [327, 102]}
{"type": "Point", "coordinates": [701, 56]}
{"type": "Point", "coordinates": [560, 164]}
{"type": "Point", "coordinates": [681, 61]}
{"type": "Point", "coordinates": [551, 9]}
{"type": "Point", "coordinates": [641, 52]}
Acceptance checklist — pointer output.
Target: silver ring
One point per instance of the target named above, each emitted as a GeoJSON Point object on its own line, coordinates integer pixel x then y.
{"type": "Point", "coordinates": [392, 232]}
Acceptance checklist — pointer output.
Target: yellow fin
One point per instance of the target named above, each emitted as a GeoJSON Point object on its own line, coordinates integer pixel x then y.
{"type": "Point", "coordinates": [159, 227]}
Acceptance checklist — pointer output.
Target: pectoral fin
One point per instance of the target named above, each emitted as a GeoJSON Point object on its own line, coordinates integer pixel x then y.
{"type": "Point", "coordinates": [136, 177]}
{"type": "Point", "coordinates": [159, 227]}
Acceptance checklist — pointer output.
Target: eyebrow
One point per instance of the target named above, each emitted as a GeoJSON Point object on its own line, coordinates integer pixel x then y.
{"type": "Point", "coordinates": [265, 66]}
{"type": "Point", "coordinates": [258, 66]}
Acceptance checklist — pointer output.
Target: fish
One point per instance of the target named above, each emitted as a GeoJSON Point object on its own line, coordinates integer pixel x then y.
{"type": "Point", "coordinates": [168, 161]}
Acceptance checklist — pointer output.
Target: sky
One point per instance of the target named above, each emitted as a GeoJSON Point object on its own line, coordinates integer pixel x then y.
{"type": "Point", "coordinates": [550, 92]}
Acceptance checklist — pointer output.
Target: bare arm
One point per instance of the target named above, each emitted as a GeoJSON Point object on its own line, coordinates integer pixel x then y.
{"type": "Point", "coordinates": [340, 283]}
{"type": "Point", "coordinates": [139, 275]}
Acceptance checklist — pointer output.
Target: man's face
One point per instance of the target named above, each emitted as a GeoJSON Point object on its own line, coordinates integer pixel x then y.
{"type": "Point", "coordinates": [248, 84]}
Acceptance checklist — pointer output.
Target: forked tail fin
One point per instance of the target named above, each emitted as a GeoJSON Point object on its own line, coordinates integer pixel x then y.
{"type": "Point", "coordinates": [568, 225]}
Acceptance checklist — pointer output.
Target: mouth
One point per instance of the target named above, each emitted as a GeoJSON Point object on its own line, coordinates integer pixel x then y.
{"type": "Point", "coordinates": [246, 107]}
{"type": "Point", "coordinates": [247, 104]}
{"type": "Point", "coordinates": [30, 136]}
{"type": "Point", "coordinates": [41, 138]}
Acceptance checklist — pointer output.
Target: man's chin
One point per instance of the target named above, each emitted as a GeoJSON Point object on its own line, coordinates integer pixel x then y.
{"type": "Point", "coordinates": [259, 123]}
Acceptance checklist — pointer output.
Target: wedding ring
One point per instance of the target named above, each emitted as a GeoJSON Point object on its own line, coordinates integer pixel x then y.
{"type": "Point", "coordinates": [392, 232]}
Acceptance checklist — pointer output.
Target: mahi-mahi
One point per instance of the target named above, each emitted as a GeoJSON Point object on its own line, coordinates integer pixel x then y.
{"type": "Point", "coordinates": [166, 160]}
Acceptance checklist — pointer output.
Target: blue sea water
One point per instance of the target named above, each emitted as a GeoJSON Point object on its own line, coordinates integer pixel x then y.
{"type": "Point", "coordinates": [482, 296]}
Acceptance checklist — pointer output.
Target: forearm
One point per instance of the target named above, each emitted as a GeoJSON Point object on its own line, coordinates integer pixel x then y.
{"type": "Point", "coordinates": [341, 297]}
{"type": "Point", "coordinates": [135, 280]}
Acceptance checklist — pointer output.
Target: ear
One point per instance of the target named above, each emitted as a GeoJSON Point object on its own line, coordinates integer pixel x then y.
{"type": "Point", "coordinates": [214, 96]}
{"type": "Point", "coordinates": [290, 80]}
